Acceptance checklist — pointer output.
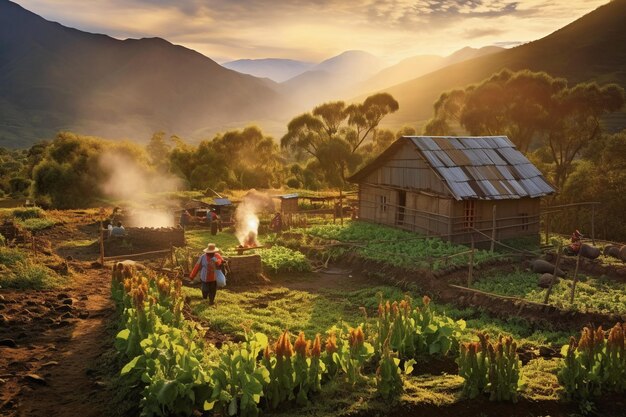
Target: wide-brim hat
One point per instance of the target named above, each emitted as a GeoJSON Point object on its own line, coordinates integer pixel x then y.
{"type": "Point", "coordinates": [211, 248]}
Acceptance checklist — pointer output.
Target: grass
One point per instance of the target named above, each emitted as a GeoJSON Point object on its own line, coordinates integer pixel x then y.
{"type": "Point", "coordinates": [30, 218]}
{"type": "Point", "coordinates": [274, 309]}
{"type": "Point", "coordinates": [20, 272]}
{"type": "Point", "coordinates": [592, 294]}
{"type": "Point", "coordinates": [199, 238]}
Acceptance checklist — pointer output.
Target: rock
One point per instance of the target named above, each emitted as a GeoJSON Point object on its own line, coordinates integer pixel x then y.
{"type": "Point", "coordinates": [541, 266]}
{"type": "Point", "coordinates": [1, 298]}
{"type": "Point", "coordinates": [83, 298]}
{"type": "Point", "coordinates": [36, 379]}
{"type": "Point", "coordinates": [31, 303]}
{"type": "Point", "coordinates": [8, 343]}
{"type": "Point", "coordinates": [68, 301]}
{"type": "Point", "coordinates": [622, 253]}
{"type": "Point", "coordinates": [612, 251]}
{"type": "Point", "coordinates": [83, 314]}
{"type": "Point", "coordinates": [545, 279]}
{"type": "Point", "coordinates": [51, 363]}
{"type": "Point", "coordinates": [3, 319]}
{"type": "Point", "coordinates": [2, 381]}
{"type": "Point", "coordinates": [589, 252]}
{"type": "Point", "coordinates": [67, 315]}
{"type": "Point", "coordinates": [64, 323]}
{"type": "Point", "coordinates": [62, 296]}
{"type": "Point", "coordinates": [64, 308]}
{"type": "Point", "coordinates": [3, 306]}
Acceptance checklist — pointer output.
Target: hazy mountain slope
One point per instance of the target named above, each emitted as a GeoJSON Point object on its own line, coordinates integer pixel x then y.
{"type": "Point", "coordinates": [591, 48]}
{"type": "Point", "coordinates": [416, 66]}
{"type": "Point", "coordinates": [275, 69]}
{"type": "Point", "coordinates": [53, 77]}
{"type": "Point", "coordinates": [331, 79]}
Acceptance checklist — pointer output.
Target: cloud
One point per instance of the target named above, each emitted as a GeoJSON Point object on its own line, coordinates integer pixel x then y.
{"type": "Point", "coordinates": [317, 29]}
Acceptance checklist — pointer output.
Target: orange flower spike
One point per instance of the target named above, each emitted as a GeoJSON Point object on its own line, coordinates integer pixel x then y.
{"type": "Point", "coordinates": [300, 346]}
{"type": "Point", "coordinates": [381, 310]}
{"type": "Point", "coordinates": [287, 347]}
{"type": "Point", "coordinates": [394, 308]}
{"type": "Point", "coordinates": [266, 352]}
{"type": "Point", "coordinates": [317, 346]}
{"type": "Point", "coordinates": [426, 300]}
{"type": "Point", "coordinates": [387, 307]}
{"type": "Point", "coordinates": [331, 343]}
{"type": "Point", "coordinates": [360, 336]}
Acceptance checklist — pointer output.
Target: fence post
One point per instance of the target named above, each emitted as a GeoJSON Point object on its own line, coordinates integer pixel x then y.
{"type": "Point", "coordinates": [556, 268]}
{"type": "Point", "coordinates": [593, 225]}
{"type": "Point", "coordinates": [571, 300]}
{"type": "Point", "coordinates": [547, 228]}
{"type": "Point", "coordinates": [493, 229]}
{"type": "Point", "coordinates": [470, 274]}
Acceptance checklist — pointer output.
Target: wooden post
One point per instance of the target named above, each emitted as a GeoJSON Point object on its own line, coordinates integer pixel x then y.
{"type": "Point", "coordinates": [341, 206]}
{"type": "Point", "coordinates": [547, 229]}
{"type": "Point", "coordinates": [172, 255]}
{"type": "Point", "coordinates": [593, 228]}
{"type": "Point", "coordinates": [470, 274]}
{"type": "Point", "coordinates": [493, 229]}
{"type": "Point", "coordinates": [556, 268]}
{"type": "Point", "coordinates": [101, 236]}
{"type": "Point", "coordinates": [571, 299]}
{"type": "Point", "coordinates": [101, 243]}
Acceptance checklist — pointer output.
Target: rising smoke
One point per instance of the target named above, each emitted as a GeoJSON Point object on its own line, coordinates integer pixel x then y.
{"type": "Point", "coordinates": [247, 219]}
{"type": "Point", "coordinates": [129, 181]}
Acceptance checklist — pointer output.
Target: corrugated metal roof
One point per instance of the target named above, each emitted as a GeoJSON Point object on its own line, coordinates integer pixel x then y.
{"type": "Point", "coordinates": [487, 167]}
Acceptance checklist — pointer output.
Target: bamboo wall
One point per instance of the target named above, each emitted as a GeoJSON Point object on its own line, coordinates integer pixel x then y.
{"type": "Point", "coordinates": [408, 170]}
{"type": "Point", "coordinates": [441, 216]}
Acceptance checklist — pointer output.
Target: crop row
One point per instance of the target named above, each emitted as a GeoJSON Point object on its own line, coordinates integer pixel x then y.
{"type": "Point", "coordinates": [179, 374]}
{"type": "Point", "coordinates": [398, 248]}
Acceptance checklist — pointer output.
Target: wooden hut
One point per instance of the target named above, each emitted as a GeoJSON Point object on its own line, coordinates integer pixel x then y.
{"type": "Point", "coordinates": [453, 187]}
{"type": "Point", "coordinates": [289, 203]}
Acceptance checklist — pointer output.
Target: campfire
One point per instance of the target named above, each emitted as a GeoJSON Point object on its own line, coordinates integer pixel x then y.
{"type": "Point", "coordinates": [247, 221]}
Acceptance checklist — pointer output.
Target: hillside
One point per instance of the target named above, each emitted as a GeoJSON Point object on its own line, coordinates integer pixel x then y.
{"type": "Point", "coordinates": [53, 78]}
{"type": "Point", "coordinates": [275, 69]}
{"type": "Point", "coordinates": [591, 48]}
{"type": "Point", "coordinates": [416, 66]}
{"type": "Point", "coordinates": [332, 79]}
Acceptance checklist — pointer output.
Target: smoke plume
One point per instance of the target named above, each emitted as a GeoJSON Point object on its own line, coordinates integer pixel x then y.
{"type": "Point", "coordinates": [246, 218]}
{"type": "Point", "coordinates": [127, 180]}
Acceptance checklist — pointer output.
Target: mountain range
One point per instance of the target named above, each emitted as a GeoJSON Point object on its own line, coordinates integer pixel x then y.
{"type": "Point", "coordinates": [57, 78]}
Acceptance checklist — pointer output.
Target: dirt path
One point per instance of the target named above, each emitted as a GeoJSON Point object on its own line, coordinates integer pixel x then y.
{"type": "Point", "coordinates": [51, 341]}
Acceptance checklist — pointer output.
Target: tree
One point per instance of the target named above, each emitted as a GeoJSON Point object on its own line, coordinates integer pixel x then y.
{"type": "Point", "coordinates": [158, 152]}
{"type": "Point", "coordinates": [531, 108]}
{"type": "Point", "coordinates": [334, 134]}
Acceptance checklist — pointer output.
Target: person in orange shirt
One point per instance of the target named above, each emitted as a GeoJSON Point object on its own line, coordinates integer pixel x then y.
{"type": "Point", "coordinates": [207, 264]}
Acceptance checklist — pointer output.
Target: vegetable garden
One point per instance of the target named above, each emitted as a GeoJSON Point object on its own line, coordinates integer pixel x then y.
{"type": "Point", "coordinates": [306, 344]}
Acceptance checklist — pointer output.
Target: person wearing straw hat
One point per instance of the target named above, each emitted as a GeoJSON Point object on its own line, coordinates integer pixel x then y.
{"type": "Point", "coordinates": [207, 264]}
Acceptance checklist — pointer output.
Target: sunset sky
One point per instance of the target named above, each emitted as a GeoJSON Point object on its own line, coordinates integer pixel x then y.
{"type": "Point", "coordinates": [313, 30]}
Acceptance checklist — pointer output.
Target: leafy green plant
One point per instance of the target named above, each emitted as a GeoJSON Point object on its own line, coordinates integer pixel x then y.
{"type": "Point", "coordinates": [353, 355]}
{"type": "Point", "coordinates": [388, 375]}
{"type": "Point", "coordinates": [488, 367]}
{"type": "Point", "coordinates": [238, 378]}
{"type": "Point", "coordinates": [594, 365]}
{"type": "Point", "coordinates": [416, 331]}
{"type": "Point", "coordinates": [282, 259]}
{"type": "Point", "coordinates": [396, 247]}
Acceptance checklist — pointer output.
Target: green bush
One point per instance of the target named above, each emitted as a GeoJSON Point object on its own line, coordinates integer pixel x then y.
{"type": "Point", "coordinates": [37, 224]}
{"type": "Point", "coordinates": [28, 213]}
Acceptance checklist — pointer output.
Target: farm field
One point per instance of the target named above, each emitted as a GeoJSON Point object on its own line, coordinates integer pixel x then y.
{"type": "Point", "coordinates": [68, 336]}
